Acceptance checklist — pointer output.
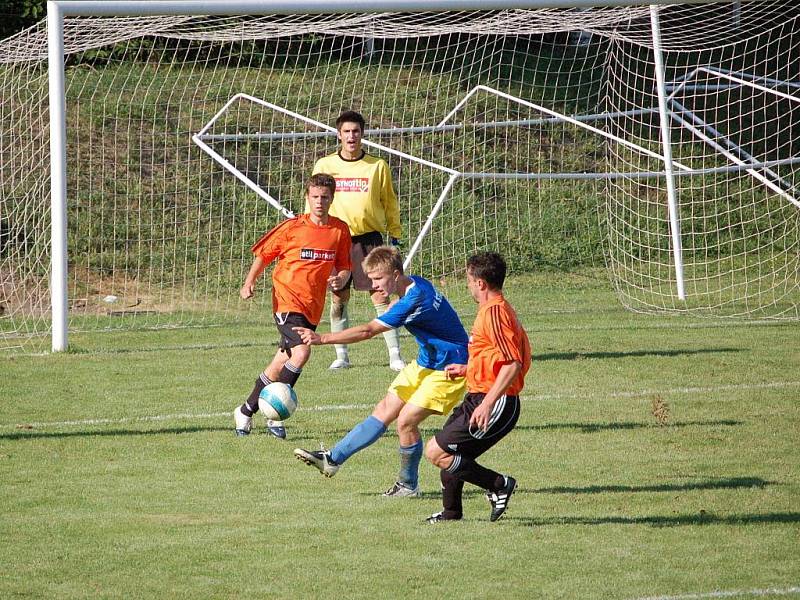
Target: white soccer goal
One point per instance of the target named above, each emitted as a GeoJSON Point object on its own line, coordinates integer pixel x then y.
{"type": "Point", "coordinates": [661, 143]}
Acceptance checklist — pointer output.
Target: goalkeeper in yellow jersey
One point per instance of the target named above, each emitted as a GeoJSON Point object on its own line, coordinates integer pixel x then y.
{"type": "Point", "coordinates": [366, 201]}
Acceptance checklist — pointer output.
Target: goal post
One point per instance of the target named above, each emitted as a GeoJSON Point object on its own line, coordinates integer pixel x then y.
{"type": "Point", "coordinates": [147, 144]}
{"type": "Point", "coordinates": [666, 147]}
{"type": "Point", "coordinates": [58, 177]}
{"type": "Point", "coordinates": [58, 9]}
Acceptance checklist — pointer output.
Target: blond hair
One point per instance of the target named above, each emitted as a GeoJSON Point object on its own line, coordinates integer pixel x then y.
{"type": "Point", "coordinates": [386, 258]}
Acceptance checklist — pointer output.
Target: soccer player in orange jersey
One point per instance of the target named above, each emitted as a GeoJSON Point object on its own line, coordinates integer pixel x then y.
{"type": "Point", "coordinates": [313, 253]}
{"type": "Point", "coordinates": [499, 358]}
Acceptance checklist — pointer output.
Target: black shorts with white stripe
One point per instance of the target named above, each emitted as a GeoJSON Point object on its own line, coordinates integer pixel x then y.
{"type": "Point", "coordinates": [457, 437]}
{"type": "Point", "coordinates": [285, 321]}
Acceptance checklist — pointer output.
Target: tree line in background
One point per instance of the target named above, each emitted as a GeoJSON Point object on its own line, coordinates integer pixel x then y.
{"type": "Point", "coordinates": [16, 15]}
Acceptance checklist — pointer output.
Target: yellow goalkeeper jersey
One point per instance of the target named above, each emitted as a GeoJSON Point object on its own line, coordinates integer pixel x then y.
{"type": "Point", "coordinates": [364, 197]}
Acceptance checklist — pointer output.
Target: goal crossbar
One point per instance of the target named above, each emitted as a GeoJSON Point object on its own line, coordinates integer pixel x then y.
{"type": "Point", "coordinates": [123, 8]}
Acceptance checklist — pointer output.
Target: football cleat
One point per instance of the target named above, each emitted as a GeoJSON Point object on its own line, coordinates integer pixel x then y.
{"type": "Point", "coordinates": [439, 517]}
{"type": "Point", "coordinates": [276, 428]}
{"type": "Point", "coordinates": [499, 499]}
{"type": "Point", "coordinates": [321, 459]}
{"type": "Point", "coordinates": [340, 363]}
{"type": "Point", "coordinates": [401, 490]}
{"type": "Point", "coordinates": [242, 423]}
{"type": "Point", "coordinates": [397, 364]}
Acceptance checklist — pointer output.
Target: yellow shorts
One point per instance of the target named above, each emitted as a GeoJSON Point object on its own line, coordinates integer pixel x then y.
{"type": "Point", "coordinates": [428, 388]}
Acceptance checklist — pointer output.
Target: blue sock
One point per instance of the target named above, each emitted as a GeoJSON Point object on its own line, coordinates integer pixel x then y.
{"type": "Point", "coordinates": [409, 463]}
{"type": "Point", "coordinates": [359, 437]}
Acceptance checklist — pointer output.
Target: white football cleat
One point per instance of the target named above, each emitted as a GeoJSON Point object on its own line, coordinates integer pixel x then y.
{"type": "Point", "coordinates": [340, 363]}
{"type": "Point", "coordinates": [242, 423]}
{"type": "Point", "coordinates": [321, 459]}
{"type": "Point", "coordinates": [401, 490]}
{"type": "Point", "coordinates": [397, 364]}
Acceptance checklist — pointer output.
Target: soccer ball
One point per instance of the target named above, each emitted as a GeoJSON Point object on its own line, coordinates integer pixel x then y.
{"type": "Point", "coordinates": [277, 401]}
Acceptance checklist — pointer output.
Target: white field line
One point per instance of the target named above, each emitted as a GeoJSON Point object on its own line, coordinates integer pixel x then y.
{"type": "Point", "coordinates": [337, 407]}
{"type": "Point", "coordinates": [674, 325]}
{"type": "Point", "coordinates": [729, 594]}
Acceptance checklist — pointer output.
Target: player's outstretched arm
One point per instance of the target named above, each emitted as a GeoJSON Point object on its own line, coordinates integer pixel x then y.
{"type": "Point", "coordinates": [359, 333]}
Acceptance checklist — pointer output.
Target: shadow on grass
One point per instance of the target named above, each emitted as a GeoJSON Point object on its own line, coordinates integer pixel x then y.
{"type": "Point", "coordinates": [709, 484]}
{"type": "Point", "coordinates": [428, 432]}
{"type": "Point", "coordinates": [701, 518]}
{"type": "Point", "coordinates": [631, 354]}
{"type": "Point", "coordinates": [333, 434]}
{"type": "Point", "coordinates": [28, 434]}
{"type": "Point", "coordinates": [593, 427]}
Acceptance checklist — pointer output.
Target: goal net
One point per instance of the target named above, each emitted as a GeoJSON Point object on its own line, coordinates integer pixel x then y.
{"type": "Point", "coordinates": [533, 132]}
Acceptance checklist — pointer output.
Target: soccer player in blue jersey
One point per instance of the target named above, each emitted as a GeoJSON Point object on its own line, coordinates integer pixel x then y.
{"type": "Point", "coordinates": [422, 388]}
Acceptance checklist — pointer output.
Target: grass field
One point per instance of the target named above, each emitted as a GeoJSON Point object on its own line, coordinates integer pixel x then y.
{"type": "Point", "coordinates": [121, 476]}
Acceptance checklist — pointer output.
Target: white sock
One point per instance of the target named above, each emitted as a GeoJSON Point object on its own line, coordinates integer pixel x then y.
{"type": "Point", "coordinates": [391, 337]}
{"type": "Point", "coordinates": [339, 322]}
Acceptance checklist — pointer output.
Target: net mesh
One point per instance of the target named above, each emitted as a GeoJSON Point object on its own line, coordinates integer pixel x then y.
{"type": "Point", "coordinates": [541, 126]}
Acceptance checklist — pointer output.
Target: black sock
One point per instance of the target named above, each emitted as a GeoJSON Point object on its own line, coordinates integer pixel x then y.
{"type": "Point", "coordinates": [467, 469]}
{"type": "Point", "coordinates": [289, 374]}
{"type": "Point", "coordinates": [250, 405]}
{"type": "Point", "coordinates": [452, 486]}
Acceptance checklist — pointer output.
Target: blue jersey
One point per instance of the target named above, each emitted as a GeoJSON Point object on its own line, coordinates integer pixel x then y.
{"type": "Point", "coordinates": [429, 317]}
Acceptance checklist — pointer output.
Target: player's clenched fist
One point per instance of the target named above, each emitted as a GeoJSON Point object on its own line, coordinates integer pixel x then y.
{"type": "Point", "coordinates": [336, 282]}
{"type": "Point", "coordinates": [247, 291]}
{"type": "Point", "coordinates": [455, 371]}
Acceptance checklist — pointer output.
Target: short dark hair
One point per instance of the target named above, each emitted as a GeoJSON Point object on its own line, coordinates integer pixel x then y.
{"type": "Point", "coordinates": [351, 116]}
{"type": "Point", "coordinates": [489, 266]}
{"type": "Point", "coordinates": [321, 180]}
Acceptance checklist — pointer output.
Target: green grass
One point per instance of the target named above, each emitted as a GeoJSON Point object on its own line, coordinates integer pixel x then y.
{"type": "Point", "coordinates": [121, 477]}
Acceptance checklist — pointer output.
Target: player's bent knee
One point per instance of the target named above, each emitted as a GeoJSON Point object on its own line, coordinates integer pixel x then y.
{"type": "Point", "coordinates": [388, 409]}
{"type": "Point", "coordinates": [406, 420]}
{"type": "Point", "coordinates": [300, 355]}
{"type": "Point", "coordinates": [435, 455]}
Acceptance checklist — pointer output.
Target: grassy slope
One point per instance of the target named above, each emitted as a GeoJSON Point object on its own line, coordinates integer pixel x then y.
{"type": "Point", "coordinates": [610, 504]}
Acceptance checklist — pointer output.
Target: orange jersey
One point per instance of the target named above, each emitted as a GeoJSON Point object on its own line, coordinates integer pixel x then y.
{"type": "Point", "coordinates": [497, 338]}
{"type": "Point", "coordinates": [307, 254]}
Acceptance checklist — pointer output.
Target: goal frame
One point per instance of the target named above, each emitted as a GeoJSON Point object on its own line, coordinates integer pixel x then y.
{"type": "Point", "coordinates": [57, 10]}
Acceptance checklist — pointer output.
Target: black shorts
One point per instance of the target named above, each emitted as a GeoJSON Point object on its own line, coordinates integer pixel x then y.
{"type": "Point", "coordinates": [290, 338]}
{"type": "Point", "coordinates": [456, 437]}
{"type": "Point", "coordinates": [362, 244]}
